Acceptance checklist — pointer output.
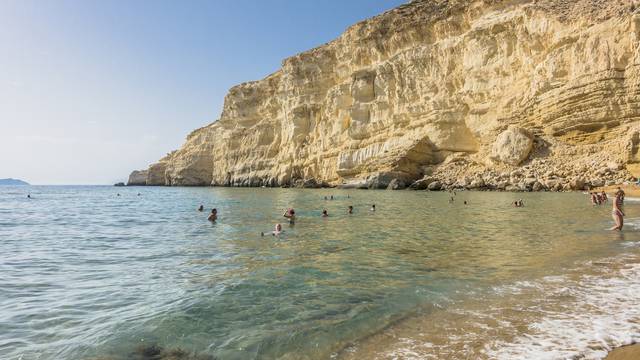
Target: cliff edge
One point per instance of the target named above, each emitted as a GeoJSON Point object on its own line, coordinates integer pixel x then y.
{"type": "Point", "coordinates": [513, 94]}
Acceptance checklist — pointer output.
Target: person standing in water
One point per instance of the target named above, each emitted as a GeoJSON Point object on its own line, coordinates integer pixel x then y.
{"type": "Point", "coordinates": [350, 210]}
{"type": "Point", "coordinates": [201, 208]}
{"type": "Point", "coordinates": [617, 214]}
{"type": "Point", "coordinates": [620, 196]}
{"type": "Point", "coordinates": [325, 213]}
{"type": "Point", "coordinates": [373, 207]}
{"type": "Point", "coordinates": [291, 215]}
{"type": "Point", "coordinates": [214, 215]}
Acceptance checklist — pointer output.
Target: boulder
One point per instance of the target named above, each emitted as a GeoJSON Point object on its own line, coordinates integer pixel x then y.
{"type": "Point", "coordinates": [476, 184]}
{"type": "Point", "coordinates": [537, 186]}
{"type": "Point", "coordinates": [435, 186]}
{"type": "Point", "coordinates": [422, 184]}
{"type": "Point", "coordinates": [396, 184]}
{"type": "Point", "coordinates": [576, 183]}
{"type": "Point", "coordinates": [512, 146]}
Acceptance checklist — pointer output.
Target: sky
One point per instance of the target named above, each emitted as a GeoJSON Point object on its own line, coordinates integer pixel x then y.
{"type": "Point", "coordinates": [90, 90]}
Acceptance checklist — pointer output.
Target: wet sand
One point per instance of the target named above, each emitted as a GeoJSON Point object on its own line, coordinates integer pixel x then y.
{"type": "Point", "coordinates": [630, 352]}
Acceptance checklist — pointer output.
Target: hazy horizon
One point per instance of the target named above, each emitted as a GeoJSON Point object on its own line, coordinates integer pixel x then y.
{"type": "Point", "coordinates": [93, 90]}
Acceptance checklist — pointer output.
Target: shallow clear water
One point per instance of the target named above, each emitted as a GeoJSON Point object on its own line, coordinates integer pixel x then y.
{"type": "Point", "coordinates": [85, 273]}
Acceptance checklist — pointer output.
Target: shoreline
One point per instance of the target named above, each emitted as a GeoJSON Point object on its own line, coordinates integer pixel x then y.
{"type": "Point", "coordinates": [625, 352]}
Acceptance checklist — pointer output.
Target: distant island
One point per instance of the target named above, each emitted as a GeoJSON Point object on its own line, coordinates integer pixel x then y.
{"type": "Point", "coordinates": [11, 181]}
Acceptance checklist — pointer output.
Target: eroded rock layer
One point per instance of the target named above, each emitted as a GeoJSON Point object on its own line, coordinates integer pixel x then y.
{"type": "Point", "coordinates": [490, 94]}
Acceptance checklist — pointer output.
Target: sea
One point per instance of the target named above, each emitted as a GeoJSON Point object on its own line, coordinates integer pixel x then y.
{"type": "Point", "coordinates": [114, 273]}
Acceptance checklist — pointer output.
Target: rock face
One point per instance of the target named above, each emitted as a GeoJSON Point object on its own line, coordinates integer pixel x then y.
{"type": "Point", "coordinates": [138, 177]}
{"type": "Point", "coordinates": [463, 91]}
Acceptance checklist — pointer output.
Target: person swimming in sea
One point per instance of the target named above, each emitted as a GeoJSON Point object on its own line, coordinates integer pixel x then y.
{"type": "Point", "coordinates": [325, 213]}
{"type": "Point", "coordinates": [276, 231]}
{"type": "Point", "coordinates": [465, 202]}
{"type": "Point", "coordinates": [201, 207]}
{"type": "Point", "coordinates": [214, 215]}
{"type": "Point", "coordinates": [331, 197]}
{"type": "Point", "coordinates": [350, 210]}
{"type": "Point", "coordinates": [28, 196]}
{"type": "Point", "coordinates": [373, 207]}
{"type": "Point", "coordinates": [291, 215]}
{"type": "Point", "coordinates": [617, 214]}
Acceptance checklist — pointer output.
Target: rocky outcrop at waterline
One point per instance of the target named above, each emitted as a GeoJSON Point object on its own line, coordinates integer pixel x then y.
{"type": "Point", "coordinates": [512, 95]}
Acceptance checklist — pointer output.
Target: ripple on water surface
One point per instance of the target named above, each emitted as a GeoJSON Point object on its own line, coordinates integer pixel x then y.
{"type": "Point", "coordinates": [86, 273]}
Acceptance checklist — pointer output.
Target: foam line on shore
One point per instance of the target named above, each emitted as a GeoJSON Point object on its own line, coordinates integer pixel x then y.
{"type": "Point", "coordinates": [605, 314]}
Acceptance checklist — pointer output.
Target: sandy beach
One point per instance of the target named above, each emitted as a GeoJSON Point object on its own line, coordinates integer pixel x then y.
{"type": "Point", "coordinates": [630, 352]}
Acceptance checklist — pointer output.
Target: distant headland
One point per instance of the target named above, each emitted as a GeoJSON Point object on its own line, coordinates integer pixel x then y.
{"type": "Point", "coordinates": [10, 181]}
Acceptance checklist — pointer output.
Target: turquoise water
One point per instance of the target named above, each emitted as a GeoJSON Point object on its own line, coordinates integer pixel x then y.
{"type": "Point", "coordinates": [85, 273]}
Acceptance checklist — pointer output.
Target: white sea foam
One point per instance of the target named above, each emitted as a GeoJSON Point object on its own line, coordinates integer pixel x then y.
{"type": "Point", "coordinates": [633, 223]}
{"type": "Point", "coordinates": [605, 314]}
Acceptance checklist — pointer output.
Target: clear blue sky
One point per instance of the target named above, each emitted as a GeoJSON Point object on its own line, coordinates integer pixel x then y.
{"type": "Point", "coordinates": [90, 90]}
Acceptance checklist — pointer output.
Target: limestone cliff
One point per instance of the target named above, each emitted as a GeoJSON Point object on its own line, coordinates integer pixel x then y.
{"type": "Point", "coordinates": [513, 94]}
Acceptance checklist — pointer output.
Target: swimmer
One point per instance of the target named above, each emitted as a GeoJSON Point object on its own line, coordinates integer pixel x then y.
{"type": "Point", "coordinates": [350, 210]}
{"type": "Point", "coordinates": [373, 207]}
{"type": "Point", "coordinates": [325, 198]}
{"type": "Point", "coordinates": [617, 214]}
{"type": "Point", "coordinates": [520, 203]}
{"type": "Point", "coordinates": [331, 197]}
{"type": "Point", "coordinates": [214, 215]}
{"type": "Point", "coordinates": [291, 215]}
{"type": "Point", "coordinates": [277, 230]}
{"type": "Point", "coordinates": [138, 194]}
{"type": "Point", "coordinates": [324, 213]}
{"type": "Point", "coordinates": [465, 202]}
{"type": "Point", "coordinates": [201, 208]}
{"type": "Point", "coordinates": [118, 194]}
{"type": "Point", "coordinates": [28, 196]}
